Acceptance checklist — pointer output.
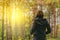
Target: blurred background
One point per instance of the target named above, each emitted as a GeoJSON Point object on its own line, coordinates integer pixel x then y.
{"type": "Point", "coordinates": [17, 16]}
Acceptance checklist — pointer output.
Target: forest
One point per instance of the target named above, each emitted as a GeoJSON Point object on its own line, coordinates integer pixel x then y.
{"type": "Point", "coordinates": [17, 16]}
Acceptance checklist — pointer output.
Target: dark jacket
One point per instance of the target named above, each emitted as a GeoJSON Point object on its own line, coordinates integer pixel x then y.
{"type": "Point", "coordinates": [39, 29]}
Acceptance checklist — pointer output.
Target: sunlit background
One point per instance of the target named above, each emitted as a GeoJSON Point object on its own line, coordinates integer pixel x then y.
{"type": "Point", "coordinates": [17, 16]}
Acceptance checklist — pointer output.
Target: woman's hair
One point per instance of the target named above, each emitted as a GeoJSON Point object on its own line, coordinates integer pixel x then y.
{"type": "Point", "coordinates": [40, 14]}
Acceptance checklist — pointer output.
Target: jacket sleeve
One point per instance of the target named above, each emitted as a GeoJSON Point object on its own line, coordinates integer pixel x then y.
{"type": "Point", "coordinates": [48, 28]}
{"type": "Point", "coordinates": [33, 28]}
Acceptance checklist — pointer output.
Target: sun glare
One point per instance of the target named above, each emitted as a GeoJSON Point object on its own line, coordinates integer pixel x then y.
{"type": "Point", "coordinates": [17, 15]}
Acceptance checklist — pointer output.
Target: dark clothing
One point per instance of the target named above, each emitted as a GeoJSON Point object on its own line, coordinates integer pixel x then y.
{"type": "Point", "coordinates": [39, 29]}
{"type": "Point", "coordinates": [38, 38]}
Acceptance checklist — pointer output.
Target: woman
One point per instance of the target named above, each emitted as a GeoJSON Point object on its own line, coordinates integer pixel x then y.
{"type": "Point", "coordinates": [39, 27]}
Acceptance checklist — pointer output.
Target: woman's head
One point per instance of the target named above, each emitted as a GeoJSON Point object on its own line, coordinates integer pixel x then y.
{"type": "Point", "coordinates": [40, 14]}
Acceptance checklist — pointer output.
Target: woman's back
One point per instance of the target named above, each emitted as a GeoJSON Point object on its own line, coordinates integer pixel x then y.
{"type": "Point", "coordinates": [39, 27]}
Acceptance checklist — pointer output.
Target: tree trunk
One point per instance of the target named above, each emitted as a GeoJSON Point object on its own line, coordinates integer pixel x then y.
{"type": "Point", "coordinates": [3, 23]}
{"type": "Point", "coordinates": [9, 26]}
{"type": "Point", "coordinates": [54, 20]}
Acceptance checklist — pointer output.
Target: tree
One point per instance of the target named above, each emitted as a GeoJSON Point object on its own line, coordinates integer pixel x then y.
{"type": "Point", "coordinates": [3, 22]}
{"type": "Point", "coordinates": [8, 20]}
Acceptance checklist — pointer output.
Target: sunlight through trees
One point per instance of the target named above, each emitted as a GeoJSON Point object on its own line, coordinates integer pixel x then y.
{"type": "Point", "coordinates": [17, 16]}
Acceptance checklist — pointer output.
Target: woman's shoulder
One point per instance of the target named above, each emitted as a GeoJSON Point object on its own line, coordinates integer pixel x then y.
{"type": "Point", "coordinates": [40, 19]}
